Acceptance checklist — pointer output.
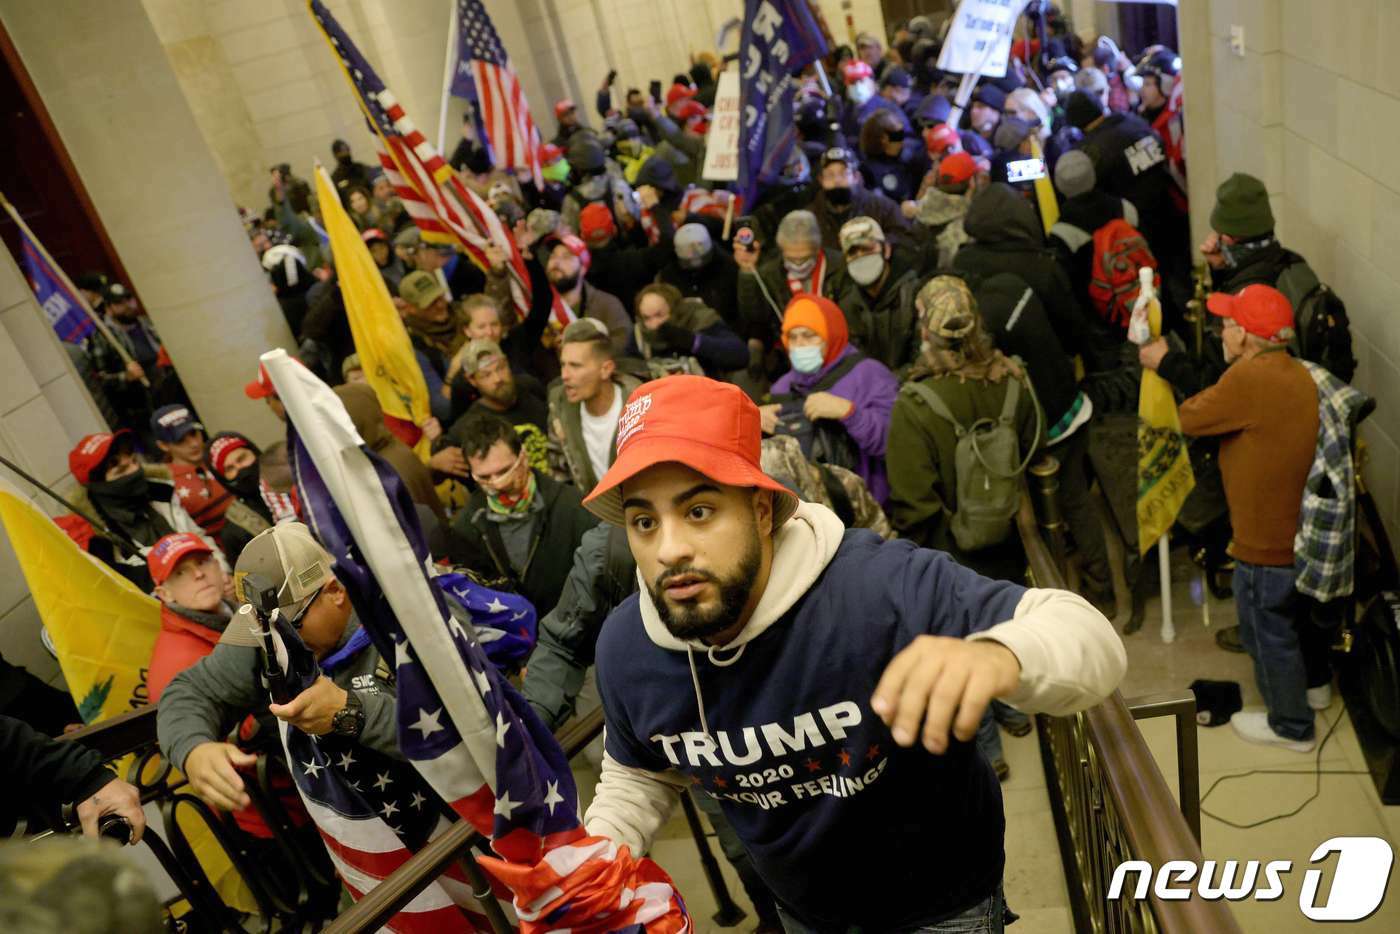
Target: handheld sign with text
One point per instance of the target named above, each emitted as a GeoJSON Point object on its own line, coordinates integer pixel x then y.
{"type": "Point", "coordinates": [979, 41]}
{"type": "Point", "coordinates": [722, 143]}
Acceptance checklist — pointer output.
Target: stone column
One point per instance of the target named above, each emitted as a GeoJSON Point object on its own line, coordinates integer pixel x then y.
{"type": "Point", "coordinates": [114, 98]}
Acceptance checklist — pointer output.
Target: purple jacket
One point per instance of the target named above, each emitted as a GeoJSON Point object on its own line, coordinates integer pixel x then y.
{"type": "Point", "coordinates": [873, 388]}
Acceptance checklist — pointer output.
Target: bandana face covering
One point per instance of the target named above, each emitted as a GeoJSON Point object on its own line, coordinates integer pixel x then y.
{"type": "Point", "coordinates": [505, 503]}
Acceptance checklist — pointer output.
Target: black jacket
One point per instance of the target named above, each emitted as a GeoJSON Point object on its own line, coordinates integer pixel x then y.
{"type": "Point", "coordinates": [45, 772]}
{"type": "Point", "coordinates": [863, 204]}
{"type": "Point", "coordinates": [716, 284]}
{"type": "Point", "coordinates": [477, 544]}
{"type": "Point", "coordinates": [1007, 236]}
{"type": "Point", "coordinates": [623, 269]}
{"type": "Point", "coordinates": [886, 326]}
{"type": "Point", "coordinates": [602, 575]}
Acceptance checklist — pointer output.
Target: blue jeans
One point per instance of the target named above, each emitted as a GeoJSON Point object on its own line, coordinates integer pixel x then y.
{"type": "Point", "coordinates": [989, 737]}
{"type": "Point", "coordinates": [1267, 604]}
{"type": "Point", "coordinates": [989, 916]}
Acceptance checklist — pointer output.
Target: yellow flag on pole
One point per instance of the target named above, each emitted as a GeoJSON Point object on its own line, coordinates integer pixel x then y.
{"type": "Point", "coordinates": [1164, 470]}
{"type": "Point", "coordinates": [103, 630]}
{"type": "Point", "coordinates": [1044, 189]}
{"type": "Point", "coordinates": [386, 353]}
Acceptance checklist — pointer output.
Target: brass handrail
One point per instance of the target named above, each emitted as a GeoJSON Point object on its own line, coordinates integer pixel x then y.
{"type": "Point", "coordinates": [1111, 803]}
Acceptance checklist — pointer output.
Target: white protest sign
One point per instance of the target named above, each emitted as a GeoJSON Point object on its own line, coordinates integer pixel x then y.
{"type": "Point", "coordinates": [722, 142]}
{"type": "Point", "coordinates": [979, 41]}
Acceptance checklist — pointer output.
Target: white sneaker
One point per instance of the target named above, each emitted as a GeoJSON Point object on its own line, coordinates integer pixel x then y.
{"type": "Point", "coordinates": [1253, 726]}
{"type": "Point", "coordinates": [1320, 698]}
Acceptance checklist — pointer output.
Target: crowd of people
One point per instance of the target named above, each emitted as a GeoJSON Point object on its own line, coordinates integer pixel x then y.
{"type": "Point", "coordinates": [884, 341]}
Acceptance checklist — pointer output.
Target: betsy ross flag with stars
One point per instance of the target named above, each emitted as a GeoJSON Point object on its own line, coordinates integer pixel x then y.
{"type": "Point", "coordinates": [444, 209]}
{"type": "Point", "coordinates": [485, 77]}
{"type": "Point", "coordinates": [469, 734]}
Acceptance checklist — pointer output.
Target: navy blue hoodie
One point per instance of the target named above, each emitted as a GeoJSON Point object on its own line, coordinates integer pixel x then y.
{"type": "Point", "coordinates": [845, 827]}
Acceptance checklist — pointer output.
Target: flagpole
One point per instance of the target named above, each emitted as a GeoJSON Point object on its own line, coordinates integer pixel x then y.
{"type": "Point", "coordinates": [76, 292]}
{"type": "Point", "coordinates": [448, 70]}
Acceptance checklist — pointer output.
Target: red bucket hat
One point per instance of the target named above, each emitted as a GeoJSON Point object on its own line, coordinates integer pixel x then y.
{"type": "Point", "coordinates": [709, 426]}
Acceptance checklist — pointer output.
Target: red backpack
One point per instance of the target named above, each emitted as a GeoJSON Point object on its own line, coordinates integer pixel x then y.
{"type": "Point", "coordinates": [1120, 250]}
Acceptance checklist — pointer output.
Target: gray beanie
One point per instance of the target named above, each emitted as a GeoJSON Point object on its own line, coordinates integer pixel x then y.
{"type": "Point", "coordinates": [1074, 174]}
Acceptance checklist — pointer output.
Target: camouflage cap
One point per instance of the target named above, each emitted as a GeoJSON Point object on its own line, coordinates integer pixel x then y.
{"type": "Point", "coordinates": [860, 231]}
{"type": "Point", "coordinates": [478, 353]}
{"type": "Point", "coordinates": [946, 307]}
{"type": "Point", "coordinates": [421, 289]}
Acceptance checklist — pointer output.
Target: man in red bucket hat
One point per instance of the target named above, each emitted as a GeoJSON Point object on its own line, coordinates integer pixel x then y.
{"type": "Point", "coordinates": [823, 684]}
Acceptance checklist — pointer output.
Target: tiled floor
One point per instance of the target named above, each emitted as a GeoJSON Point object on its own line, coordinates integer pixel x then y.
{"type": "Point", "coordinates": [1346, 806]}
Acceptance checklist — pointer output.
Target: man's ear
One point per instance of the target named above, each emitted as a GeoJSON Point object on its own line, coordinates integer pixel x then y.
{"type": "Point", "coordinates": [164, 447]}
{"type": "Point", "coordinates": [337, 592]}
{"type": "Point", "coordinates": [608, 368]}
{"type": "Point", "coordinates": [763, 505]}
{"type": "Point", "coordinates": [162, 594]}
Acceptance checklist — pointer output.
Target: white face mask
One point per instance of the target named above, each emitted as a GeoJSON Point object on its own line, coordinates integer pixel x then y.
{"type": "Point", "coordinates": [866, 269]}
{"type": "Point", "coordinates": [861, 91]}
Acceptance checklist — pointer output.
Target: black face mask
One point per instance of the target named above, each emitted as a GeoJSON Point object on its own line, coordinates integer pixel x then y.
{"type": "Point", "coordinates": [130, 493]}
{"type": "Point", "coordinates": [567, 283]}
{"type": "Point", "coordinates": [245, 482]}
{"type": "Point", "coordinates": [638, 115]}
{"type": "Point", "coordinates": [343, 158]}
{"type": "Point", "coordinates": [838, 197]}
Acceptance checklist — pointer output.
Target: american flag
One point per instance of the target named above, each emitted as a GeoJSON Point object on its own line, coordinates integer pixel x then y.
{"type": "Point", "coordinates": [471, 736]}
{"type": "Point", "coordinates": [372, 811]}
{"type": "Point", "coordinates": [444, 209]}
{"type": "Point", "coordinates": [484, 77]}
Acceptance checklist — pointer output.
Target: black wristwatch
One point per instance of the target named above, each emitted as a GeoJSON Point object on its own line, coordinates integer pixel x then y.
{"type": "Point", "coordinates": [350, 719]}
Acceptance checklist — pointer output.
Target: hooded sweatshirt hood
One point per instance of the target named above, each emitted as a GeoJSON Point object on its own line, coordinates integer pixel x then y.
{"type": "Point", "coordinates": [1000, 215]}
{"type": "Point", "coordinates": [802, 549]}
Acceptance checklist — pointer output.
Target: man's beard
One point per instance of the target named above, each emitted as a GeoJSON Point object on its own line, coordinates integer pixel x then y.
{"type": "Point", "coordinates": [503, 395]}
{"type": "Point", "coordinates": [689, 621]}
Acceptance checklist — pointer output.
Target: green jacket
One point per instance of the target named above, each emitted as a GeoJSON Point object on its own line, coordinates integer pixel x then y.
{"type": "Point", "coordinates": [919, 456]}
{"type": "Point", "coordinates": [566, 430]}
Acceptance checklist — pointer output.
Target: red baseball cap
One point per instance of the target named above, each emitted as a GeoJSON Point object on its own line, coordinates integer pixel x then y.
{"type": "Point", "coordinates": [550, 154]}
{"type": "Point", "coordinates": [854, 70]}
{"type": "Point", "coordinates": [939, 138]}
{"type": "Point", "coordinates": [1262, 310]}
{"type": "Point", "coordinates": [167, 552]}
{"type": "Point", "coordinates": [956, 168]}
{"type": "Point", "coordinates": [221, 447]}
{"type": "Point", "coordinates": [709, 426]}
{"type": "Point", "coordinates": [91, 451]}
{"type": "Point", "coordinates": [574, 245]}
{"type": "Point", "coordinates": [596, 219]}
{"type": "Point", "coordinates": [262, 387]}
{"type": "Point", "coordinates": [563, 107]}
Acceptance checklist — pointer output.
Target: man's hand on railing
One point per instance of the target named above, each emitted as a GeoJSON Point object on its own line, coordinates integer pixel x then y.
{"type": "Point", "coordinates": [212, 769]}
{"type": "Point", "coordinates": [115, 797]}
{"type": "Point", "coordinates": [937, 679]}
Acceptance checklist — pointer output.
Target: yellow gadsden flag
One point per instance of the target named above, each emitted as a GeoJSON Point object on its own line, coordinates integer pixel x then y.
{"type": "Point", "coordinates": [386, 353]}
{"type": "Point", "coordinates": [1164, 470]}
{"type": "Point", "coordinates": [1044, 189]}
{"type": "Point", "coordinates": [104, 630]}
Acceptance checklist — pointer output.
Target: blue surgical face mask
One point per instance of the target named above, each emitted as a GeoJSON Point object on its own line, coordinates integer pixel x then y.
{"type": "Point", "coordinates": [806, 359]}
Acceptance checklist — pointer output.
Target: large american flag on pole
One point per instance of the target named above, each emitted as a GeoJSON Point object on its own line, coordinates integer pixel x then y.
{"type": "Point", "coordinates": [485, 77]}
{"type": "Point", "coordinates": [471, 736]}
{"type": "Point", "coordinates": [372, 811]}
{"type": "Point", "coordinates": [444, 209]}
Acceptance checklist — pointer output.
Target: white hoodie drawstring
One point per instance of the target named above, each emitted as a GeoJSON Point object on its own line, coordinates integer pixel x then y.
{"type": "Point", "coordinates": [695, 677]}
{"type": "Point", "coordinates": [695, 680]}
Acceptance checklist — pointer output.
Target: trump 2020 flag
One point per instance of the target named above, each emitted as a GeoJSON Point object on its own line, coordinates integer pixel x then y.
{"type": "Point", "coordinates": [470, 735]}
{"type": "Point", "coordinates": [61, 306]}
{"type": "Point", "coordinates": [780, 38]}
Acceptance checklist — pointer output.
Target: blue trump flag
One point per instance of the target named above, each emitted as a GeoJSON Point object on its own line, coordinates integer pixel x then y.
{"type": "Point", "coordinates": [63, 308]}
{"type": "Point", "coordinates": [780, 38]}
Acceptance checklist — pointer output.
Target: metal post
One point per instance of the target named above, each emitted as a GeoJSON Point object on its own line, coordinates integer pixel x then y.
{"type": "Point", "coordinates": [1180, 705]}
{"type": "Point", "coordinates": [1164, 569]}
{"type": "Point", "coordinates": [1045, 488]}
{"type": "Point", "coordinates": [729, 913]}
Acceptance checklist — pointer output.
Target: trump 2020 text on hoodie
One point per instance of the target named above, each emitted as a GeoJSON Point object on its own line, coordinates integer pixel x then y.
{"type": "Point", "coordinates": [844, 826]}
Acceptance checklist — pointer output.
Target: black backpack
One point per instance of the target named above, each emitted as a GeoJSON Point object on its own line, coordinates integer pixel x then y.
{"type": "Point", "coordinates": [1322, 329]}
{"type": "Point", "coordinates": [823, 441]}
